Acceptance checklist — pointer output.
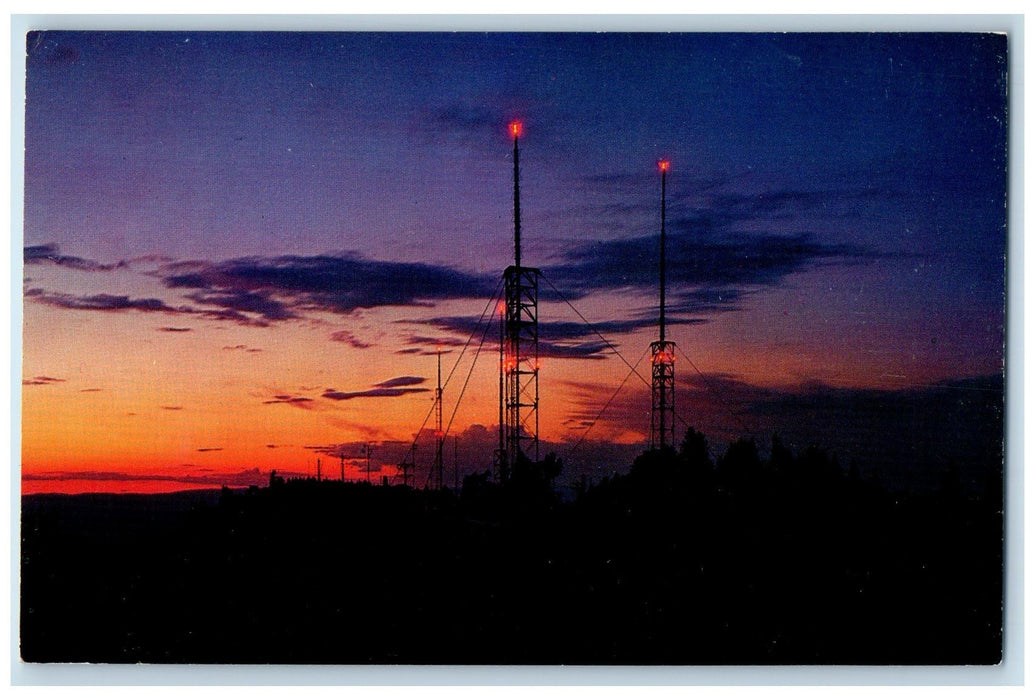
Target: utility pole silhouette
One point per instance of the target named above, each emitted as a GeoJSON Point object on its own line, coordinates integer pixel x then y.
{"type": "Point", "coordinates": [439, 437]}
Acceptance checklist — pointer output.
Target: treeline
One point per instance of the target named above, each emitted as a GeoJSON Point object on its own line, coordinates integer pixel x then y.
{"type": "Point", "coordinates": [681, 560]}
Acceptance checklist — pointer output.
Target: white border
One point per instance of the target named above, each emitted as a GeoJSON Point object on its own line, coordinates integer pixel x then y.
{"type": "Point", "coordinates": [1008, 673]}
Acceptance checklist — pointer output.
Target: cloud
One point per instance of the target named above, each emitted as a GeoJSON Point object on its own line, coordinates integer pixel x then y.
{"type": "Point", "coordinates": [246, 302]}
{"type": "Point", "coordinates": [389, 388]}
{"type": "Point", "coordinates": [557, 339]}
{"type": "Point", "coordinates": [48, 254]}
{"type": "Point", "coordinates": [429, 346]}
{"type": "Point", "coordinates": [99, 302]}
{"type": "Point", "coordinates": [369, 393]}
{"type": "Point", "coordinates": [173, 329]}
{"type": "Point", "coordinates": [283, 287]}
{"type": "Point", "coordinates": [705, 274]}
{"type": "Point", "coordinates": [297, 401]}
{"type": "Point", "coordinates": [91, 390]}
{"type": "Point", "coordinates": [118, 303]}
{"type": "Point", "coordinates": [210, 449]}
{"type": "Point", "coordinates": [41, 381]}
{"type": "Point", "coordinates": [171, 408]}
{"type": "Point", "coordinates": [243, 348]}
{"type": "Point", "coordinates": [401, 381]}
{"type": "Point", "coordinates": [349, 339]}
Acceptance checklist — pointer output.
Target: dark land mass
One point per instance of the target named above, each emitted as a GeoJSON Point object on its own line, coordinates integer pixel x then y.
{"type": "Point", "coordinates": [792, 559]}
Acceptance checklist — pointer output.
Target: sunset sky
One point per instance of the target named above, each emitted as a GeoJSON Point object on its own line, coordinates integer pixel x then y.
{"type": "Point", "coordinates": [243, 251]}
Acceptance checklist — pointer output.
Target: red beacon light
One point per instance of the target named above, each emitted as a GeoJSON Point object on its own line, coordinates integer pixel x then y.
{"type": "Point", "coordinates": [515, 129]}
{"type": "Point", "coordinates": [663, 166]}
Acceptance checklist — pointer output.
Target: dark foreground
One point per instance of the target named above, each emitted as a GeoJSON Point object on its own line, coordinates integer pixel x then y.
{"type": "Point", "coordinates": [680, 562]}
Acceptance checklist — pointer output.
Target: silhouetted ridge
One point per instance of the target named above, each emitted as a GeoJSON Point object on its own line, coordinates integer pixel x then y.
{"type": "Point", "coordinates": [744, 559]}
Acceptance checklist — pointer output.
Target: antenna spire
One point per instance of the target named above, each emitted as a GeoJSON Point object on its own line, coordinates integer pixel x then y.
{"type": "Point", "coordinates": [663, 166]}
{"type": "Point", "coordinates": [515, 131]}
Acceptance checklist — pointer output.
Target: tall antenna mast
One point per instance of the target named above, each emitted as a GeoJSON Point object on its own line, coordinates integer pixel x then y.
{"type": "Point", "coordinates": [663, 352]}
{"type": "Point", "coordinates": [663, 166]}
{"type": "Point", "coordinates": [519, 349]}
{"type": "Point", "coordinates": [515, 131]}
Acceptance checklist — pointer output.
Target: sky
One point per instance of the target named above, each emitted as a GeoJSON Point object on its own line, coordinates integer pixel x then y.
{"type": "Point", "coordinates": [243, 251]}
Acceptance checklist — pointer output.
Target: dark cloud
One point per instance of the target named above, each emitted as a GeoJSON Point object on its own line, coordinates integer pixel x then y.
{"type": "Point", "coordinates": [429, 346]}
{"type": "Point", "coordinates": [401, 381]}
{"type": "Point", "coordinates": [557, 339]}
{"type": "Point", "coordinates": [261, 303]}
{"type": "Point", "coordinates": [100, 302]}
{"type": "Point", "coordinates": [48, 254]}
{"type": "Point", "coordinates": [210, 449]}
{"type": "Point", "coordinates": [284, 287]}
{"type": "Point", "coordinates": [41, 381]}
{"type": "Point", "coordinates": [720, 247]}
{"type": "Point", "coordinates": [297, 401]}
{"type": "Point", "coordinates": [369, 393]}
{"type": "Point", "coordinates": [701, 273]}
{"type": "Point", "coordinates": [173, 329]}
{"type": "Point", "coordinates": [88, 391]}
{"type": "Point", "coordinates": [389, 388]}
{"type": "Point", "coordinates": [349, 339]}
{"type": "Point", "coordinates": [243, 348]}
{"type": "Point", "coordinates": [118, 303]}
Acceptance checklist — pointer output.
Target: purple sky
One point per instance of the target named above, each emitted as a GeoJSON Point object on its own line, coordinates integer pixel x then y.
{"type": "Point", "coordinates": [836, 202]}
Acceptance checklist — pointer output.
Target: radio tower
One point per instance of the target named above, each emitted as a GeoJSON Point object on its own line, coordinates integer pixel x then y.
{"type": "Point", "coordinates": [519, 350]}
{"type": "Point", "coordinates": [438, 425]}
{"type": "Point", "coordinates": [663, 352]}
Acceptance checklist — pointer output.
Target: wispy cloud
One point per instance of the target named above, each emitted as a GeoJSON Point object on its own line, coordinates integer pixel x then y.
{"type": "Point", "coordinates": [120, 303]}
{"type": "Point", "coordinates": [349, 339]}
{"type": "Point", "coordinates": [296, 401]}
{"type": "Point", "coordinates": [41, 381]}
{"type": "Point", "coordinates": [174, 329]}
{"type": "Point", "coordinates": [557, 339]}
{"type": "Point", "coordinates": [49, 254]}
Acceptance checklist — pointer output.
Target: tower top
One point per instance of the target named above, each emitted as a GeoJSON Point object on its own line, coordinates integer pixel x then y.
{"type": "Point", "coordinates": [515, 131]}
